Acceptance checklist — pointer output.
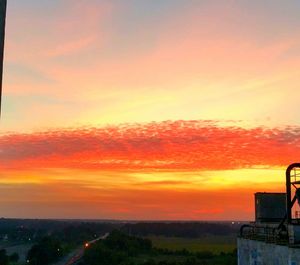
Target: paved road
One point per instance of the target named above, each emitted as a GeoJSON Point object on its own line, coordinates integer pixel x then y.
{"type": "Point", "coordinates": [78, 253]}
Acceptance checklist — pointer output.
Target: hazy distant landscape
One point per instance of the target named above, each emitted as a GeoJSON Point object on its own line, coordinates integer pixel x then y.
{"type": "Point", "coordinates": [42, 242]}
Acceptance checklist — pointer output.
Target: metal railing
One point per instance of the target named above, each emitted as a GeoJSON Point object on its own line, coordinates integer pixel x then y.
{"type": "Point", "coordinates": [265, 234]}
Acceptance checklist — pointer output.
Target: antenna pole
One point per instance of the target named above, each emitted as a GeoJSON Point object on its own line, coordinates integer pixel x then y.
{"type": "Point", "coordinates": [3, 4]}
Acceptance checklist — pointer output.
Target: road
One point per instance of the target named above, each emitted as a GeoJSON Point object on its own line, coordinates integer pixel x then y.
{"type": "Point", "coordinates": [78, 253]}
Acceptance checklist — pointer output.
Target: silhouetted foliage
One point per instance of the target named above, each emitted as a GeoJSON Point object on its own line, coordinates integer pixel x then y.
{"type": "Point", "coordinates": [70, 232]}
{"type": "Point", "coordinates": [182, 229]}
{"type": "Point", "coordinates": [4, 260]}
{"type": "Point", "coordinates": [46, 251]}
{"type": "Point", "coordinates": [116, 249]}
{"type": "Point", "coordinates": [121, 249]}
{"type": "Point", "coordinates": [14, 257]}
{"type": "Point", "coordinates": [119, 241]}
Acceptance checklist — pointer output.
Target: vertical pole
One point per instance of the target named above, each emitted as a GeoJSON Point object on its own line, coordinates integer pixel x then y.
{"type": "Point", "coordinates": [3, 4]}
{"type": "Point", "coordinates": [288, 195]}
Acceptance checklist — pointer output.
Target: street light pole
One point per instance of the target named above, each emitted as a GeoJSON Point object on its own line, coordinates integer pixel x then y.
{"type": "Point", "coordinates": [3, 4]}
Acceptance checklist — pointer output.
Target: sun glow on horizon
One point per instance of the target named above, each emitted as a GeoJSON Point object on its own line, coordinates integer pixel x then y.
{"type": "Point", "coordinates": [147, 109]}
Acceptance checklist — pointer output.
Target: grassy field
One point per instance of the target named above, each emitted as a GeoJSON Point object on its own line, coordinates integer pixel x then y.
{"type": "Point", "coordinates": [215, 244]}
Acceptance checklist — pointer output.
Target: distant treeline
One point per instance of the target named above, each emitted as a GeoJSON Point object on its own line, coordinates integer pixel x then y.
{"type": "Point", "coordinates": [180, 229]}
{"type": "Point", "coordinates": [48, 224]}
{"type": "Point", "coordinates": [78, 231]}
{"type": "Point", "coordinates": [19, 230]}
{"type": "Point", "coordinates": [74, 232]}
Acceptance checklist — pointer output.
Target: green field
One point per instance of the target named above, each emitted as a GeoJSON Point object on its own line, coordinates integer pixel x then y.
{"type": "Point", "coordinates": [214, 244]}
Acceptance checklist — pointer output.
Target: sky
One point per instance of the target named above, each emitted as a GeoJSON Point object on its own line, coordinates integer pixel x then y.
{"type": "Point", "coordinates": [147, 109]}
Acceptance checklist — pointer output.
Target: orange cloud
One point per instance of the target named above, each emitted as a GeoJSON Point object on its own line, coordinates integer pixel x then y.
{"type": "Point", "coordinates": [165, 146]}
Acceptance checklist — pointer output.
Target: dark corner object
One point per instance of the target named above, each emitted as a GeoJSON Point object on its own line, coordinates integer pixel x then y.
{"type": "Point", "coordinates": [3, 4]}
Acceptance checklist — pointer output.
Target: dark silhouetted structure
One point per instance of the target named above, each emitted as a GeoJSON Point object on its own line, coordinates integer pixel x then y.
{"type": "Point", "coordinates": [274, 237]}
{"type": "Point", "coordinates": [269, 207]}
{"type": "Point", "coordinates": [292, 181]}
{"type": "Point", "coordinates": [3, 4]}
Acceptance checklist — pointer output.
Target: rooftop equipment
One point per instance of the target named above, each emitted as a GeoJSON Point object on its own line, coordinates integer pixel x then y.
{"type": "Point", "coordinates": [273, 213]}
{"type": "Point", "coordinates": [269, 207]}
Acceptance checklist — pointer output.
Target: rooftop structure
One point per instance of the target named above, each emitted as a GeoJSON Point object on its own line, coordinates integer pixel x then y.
{"type": "Point", "coordinates": [274, 237]}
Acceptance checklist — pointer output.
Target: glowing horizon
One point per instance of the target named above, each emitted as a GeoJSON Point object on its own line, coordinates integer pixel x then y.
{"type": "Point", "coordinates": [147, 110]}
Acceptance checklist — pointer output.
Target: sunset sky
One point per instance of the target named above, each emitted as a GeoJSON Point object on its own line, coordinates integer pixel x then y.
{"type": "Point", "coordinates": [148, 109]}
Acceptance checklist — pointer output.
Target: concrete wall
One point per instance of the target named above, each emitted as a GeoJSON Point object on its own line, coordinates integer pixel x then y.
{"type": "Point", "coordinates": [251, 252]}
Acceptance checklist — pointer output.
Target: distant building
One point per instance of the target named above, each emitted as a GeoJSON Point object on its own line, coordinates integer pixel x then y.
{"type": "Point", "coordinates": [274, 237]}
